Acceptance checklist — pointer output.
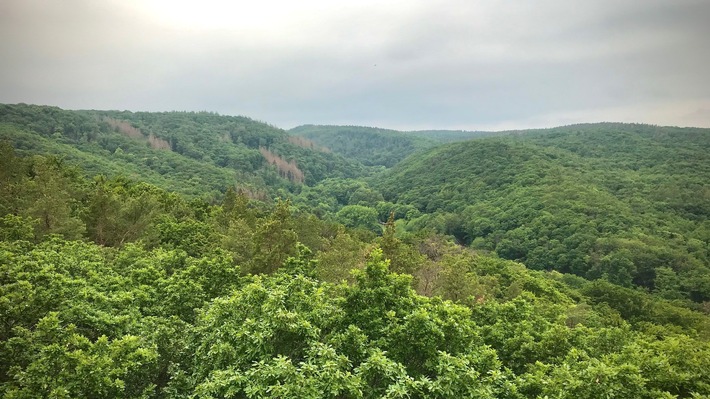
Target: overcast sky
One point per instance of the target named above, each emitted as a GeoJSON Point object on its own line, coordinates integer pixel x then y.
{"type": "Point", "coordinates": [447, 64]}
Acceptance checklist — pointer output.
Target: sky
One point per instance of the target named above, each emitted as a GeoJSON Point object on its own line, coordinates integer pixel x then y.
{"type": "Point", "coordinates": [408, 65]}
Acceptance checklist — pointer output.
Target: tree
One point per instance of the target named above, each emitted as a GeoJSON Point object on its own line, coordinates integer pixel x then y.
{"type": "Point", "coordinates": [667, 284]}
{"type": "Point", "coordinates": [13, 187]}
{"type": "Point", "coordinates": [57, 362]}
{"type": "Point", "coordinates": [358, 216]}
{"type": "Point", "coordinates": [274, 240]}
{"type": "Point", "coordinates": [103, 212]}
{"type": "Point", "coordinates": [403, 258]}
{"type": "Point", "coordinates": [52, 201]}
{"type": "Point", "coordinates": [615, 267]}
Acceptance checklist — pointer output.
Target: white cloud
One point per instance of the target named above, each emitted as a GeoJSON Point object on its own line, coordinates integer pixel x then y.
{"type": "Point", "coordinates": [413, 64]}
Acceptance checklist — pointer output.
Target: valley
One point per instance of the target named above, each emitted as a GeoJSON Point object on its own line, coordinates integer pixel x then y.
{"type": "Point", "coordinates": [192, 254]}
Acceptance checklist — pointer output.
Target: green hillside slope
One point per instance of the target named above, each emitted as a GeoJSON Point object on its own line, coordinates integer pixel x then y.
{"type": "Point", "coordinates": [368, 145]}
{"type": "Point", "coordinates": [117, 289]}
{"type": "Point", "coordinates": [630, 203]}
{"type": "Point", "coordinates": [193, 153]}
{"type": "Point", "coordinates": [448, 136]}
{"type": "Point", "coordinates": [386, 147]}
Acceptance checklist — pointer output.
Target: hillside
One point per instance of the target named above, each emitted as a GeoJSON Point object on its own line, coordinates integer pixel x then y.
{"type": "Point", "coordinates": [138, 259]}
{"type": "Point", "coordinates": [385, 147]}
{"type": "Point", "coordinates": [194, 153]}
{"type": "Point", "coordinates": [112, 288]}
{"type": "Point", "coordinates": [629, 203]}
{"type": "Point", "coordinates": [626, 203]}
{"type": "Point", "coordinates": [449, 136]}
{"type": "Point", "coordinates": [368, 145]}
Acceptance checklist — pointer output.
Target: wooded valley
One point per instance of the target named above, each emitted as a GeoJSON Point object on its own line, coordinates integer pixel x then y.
{"type": "Point", "coordinates": [195, 255]}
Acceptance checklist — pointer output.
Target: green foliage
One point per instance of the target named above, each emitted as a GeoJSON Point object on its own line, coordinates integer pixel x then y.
{"type": "Point", "coordinates": [274, 240]}
{"type": "Point", "coordinates": [611, 201]}
{"type": "Point", "coordinates": [370, 146]}
{"type": "Point", "coordinates": [195, 153]}
{"type": "Point", "coordinates": [358, 216]}
{"type": "Point", "coordinates": [58, 362]}
{"type": "Point", "coordinates": [341, 254]}
{"type": "Point", "coordinates": [16, 228]}
{"type": "Point", "coordinates": [403, 258]}
{"type": "Point", "coordinates": [383, 147]}
{"type": "Point", "coordinates": [115, 288]}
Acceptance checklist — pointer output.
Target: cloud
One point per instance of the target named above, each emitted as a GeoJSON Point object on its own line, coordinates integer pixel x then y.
{"type": "Point", "coordinates": [414, 64]}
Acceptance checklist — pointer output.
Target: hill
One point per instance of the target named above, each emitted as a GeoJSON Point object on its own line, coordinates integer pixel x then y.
{"type": "Point", "coordinates": [368, 145]}
{"type": "Point", "coordinates": [115, 287]}
{"type": "Point", "coordinates": [626, 202]}
{"type": "Point", "coordinates": [449, 136]}
{"type": "Point", "coordinates": [196, 153]}
{"type": "Point", "coordinates": [385, 147]}
{"type": "Point", "coordinates": [112, 288]}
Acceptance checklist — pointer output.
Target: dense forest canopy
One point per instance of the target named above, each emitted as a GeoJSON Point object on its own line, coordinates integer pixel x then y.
{"type": "Point", "coordinates": [182, 255]}
{"type": "Point", "coordinates": [624, 202]}
{"type": "Point", "coordinates": [195, 153]}
{"type": "Point", "coordinates": [370, 146]}
{"type": "Point", "coordinates": [386, 147]}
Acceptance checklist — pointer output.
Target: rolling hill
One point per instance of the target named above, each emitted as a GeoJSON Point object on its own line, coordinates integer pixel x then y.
{"type": "Point", "coordinates": [385, 147]}
{"type": "Point", "coordinates": [368, 145]}
{"type": "Point", "coordinates": [195, 153]}
{"type": "Point", "coordinates": [122, 287]}
{"type": "Point", "coordinates": [628, 203]}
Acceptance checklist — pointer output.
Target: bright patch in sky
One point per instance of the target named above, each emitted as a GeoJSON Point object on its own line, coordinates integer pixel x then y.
{"type": "Point", "coordinates": [463, 64]}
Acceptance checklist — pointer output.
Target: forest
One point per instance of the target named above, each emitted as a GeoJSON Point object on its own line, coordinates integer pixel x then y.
{"type": "Point", "coordinates": [195, 255]}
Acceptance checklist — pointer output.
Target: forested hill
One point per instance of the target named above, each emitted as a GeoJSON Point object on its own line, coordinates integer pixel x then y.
{"type": "Point", "coordinates": [628, 203]}
{"type": "Point", "coordinates": [118, 289]}
{"type": "Point", "coordinates": [385, 147]}
{"type": "Point", "coordinates": [448, 136]}
{"type": "Point", "coordinates": [196, 153]}
{"type": "Point", "coordinates": [368, 145]}
{"type": "Point", "coordinates": [113, 287]}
